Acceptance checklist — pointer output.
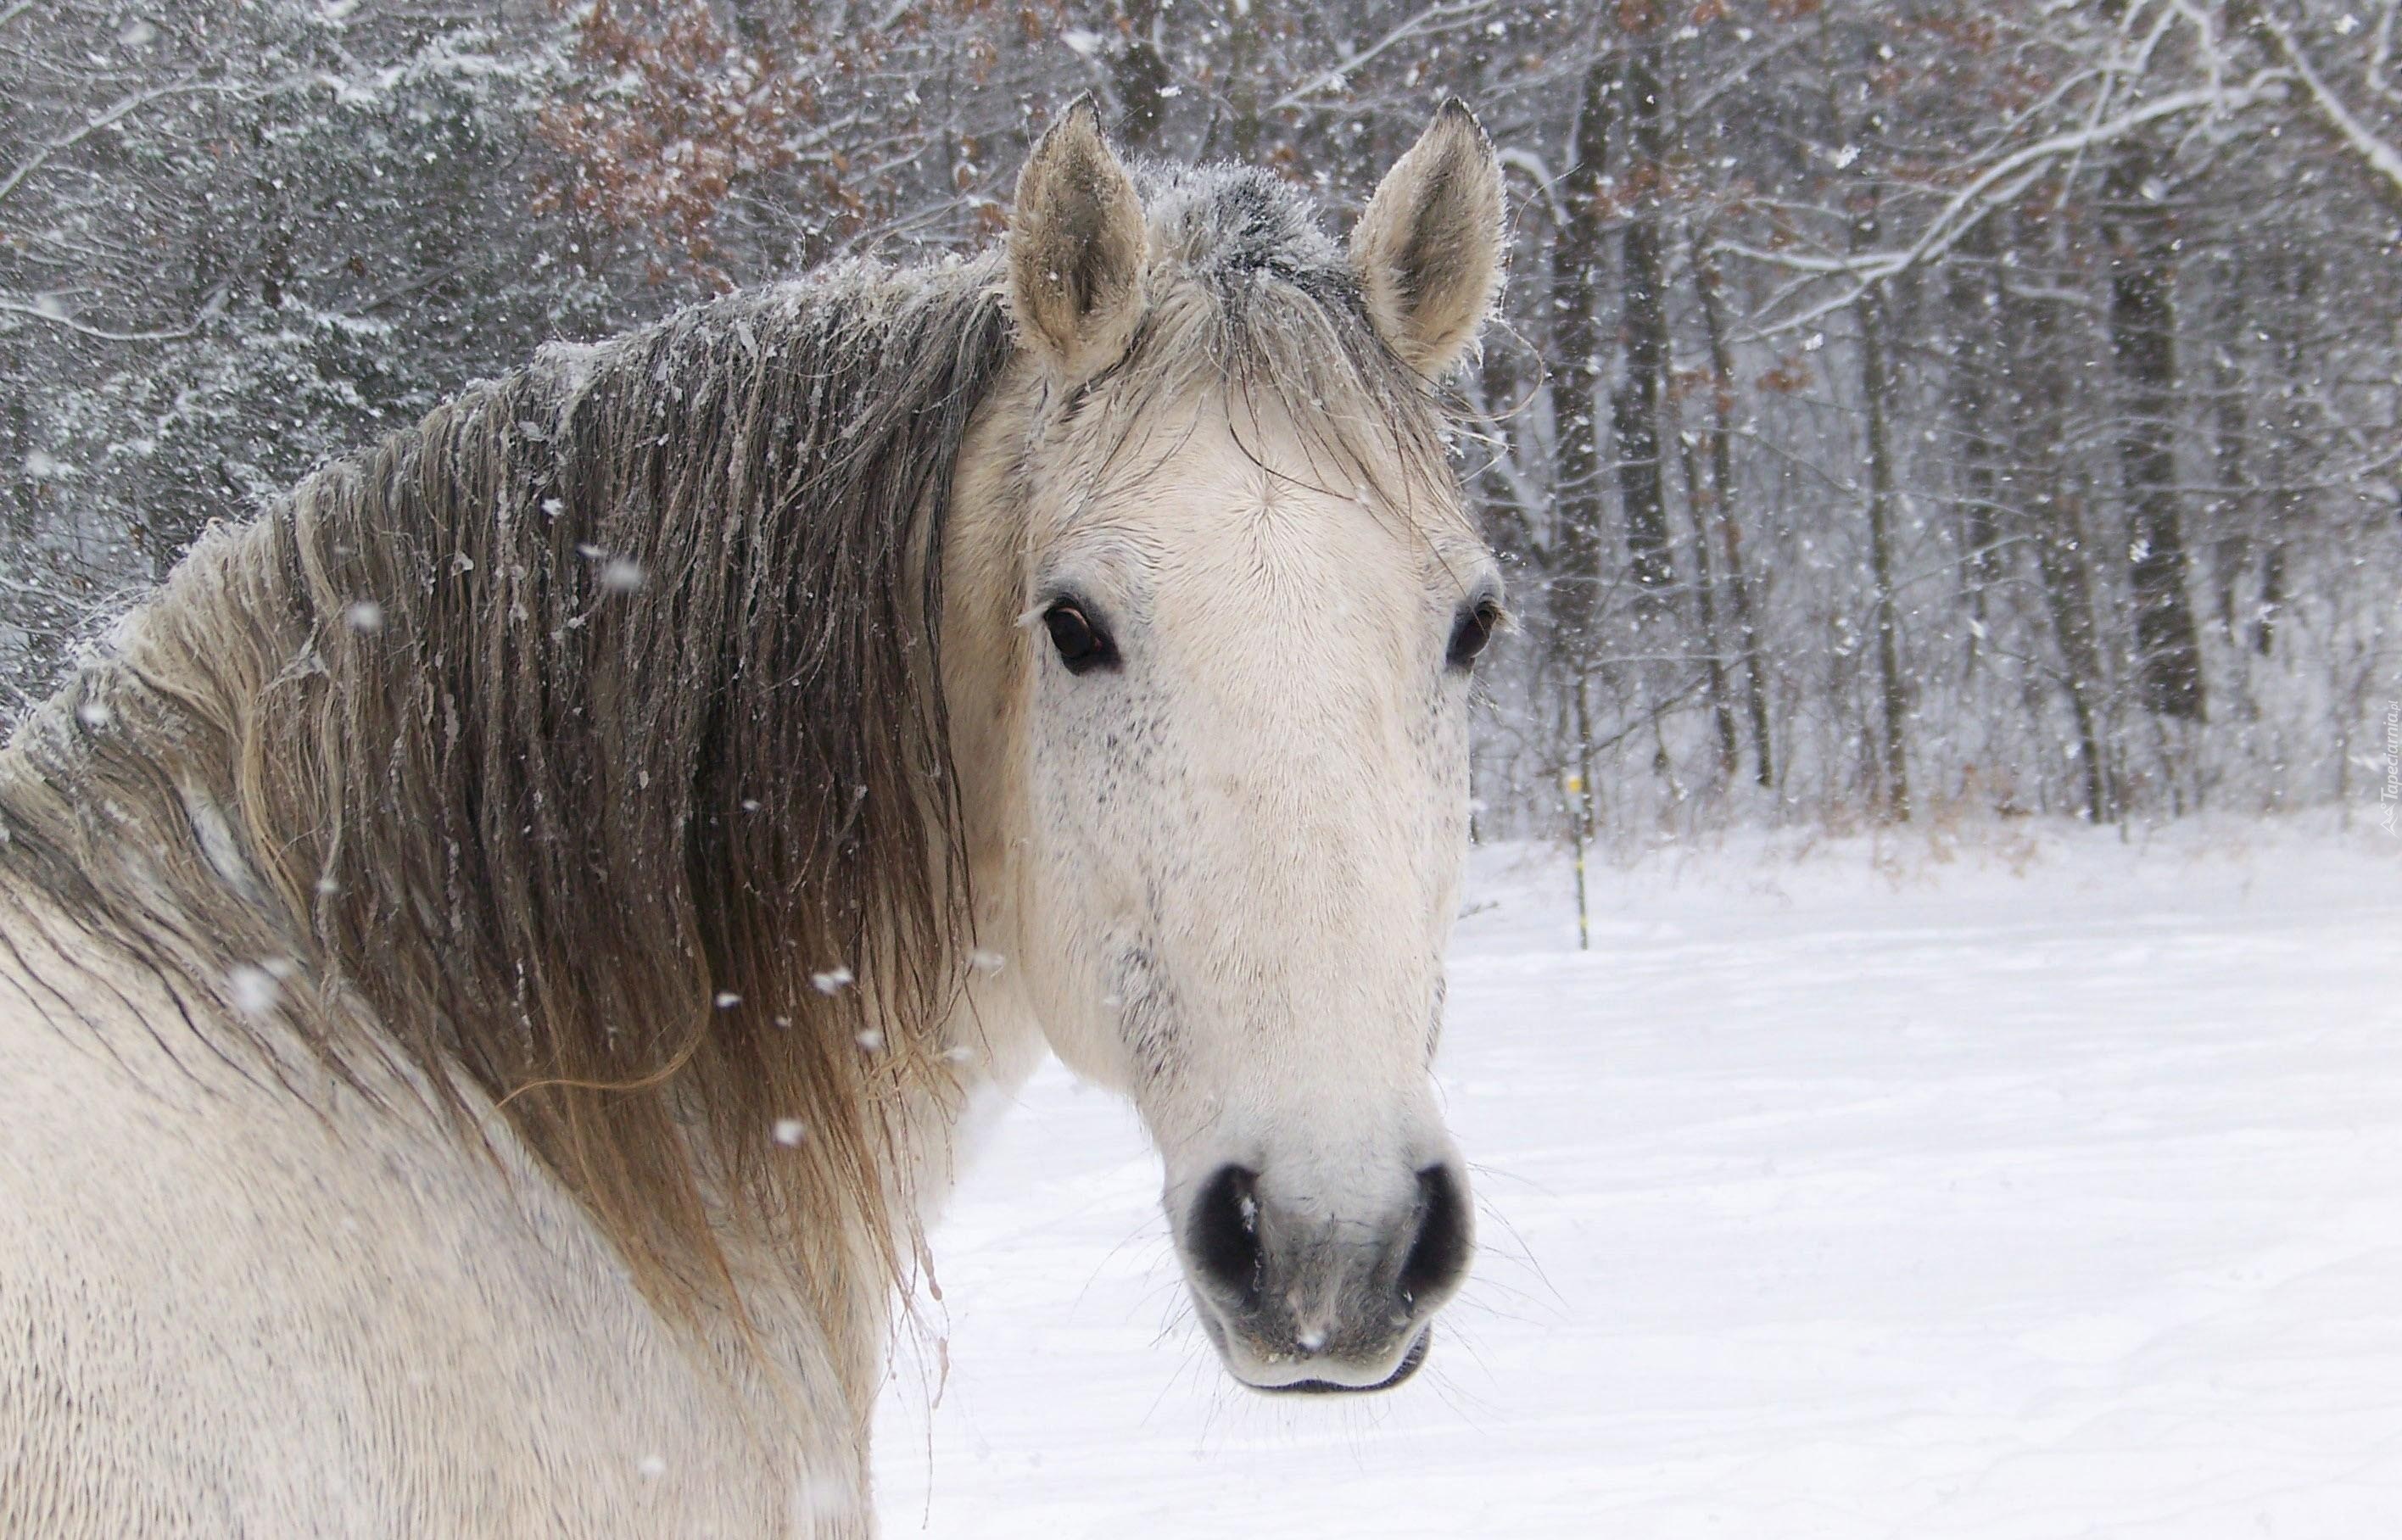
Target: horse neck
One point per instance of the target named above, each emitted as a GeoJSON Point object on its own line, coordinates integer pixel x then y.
{"type": "Point", "coordinates": [575, 845]}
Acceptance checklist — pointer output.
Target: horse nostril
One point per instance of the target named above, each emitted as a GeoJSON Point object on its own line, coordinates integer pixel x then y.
{"type": "Point", "coordinates": [1438, 1256]}
{"type": "Point", "coordinates": [1224, 1236]}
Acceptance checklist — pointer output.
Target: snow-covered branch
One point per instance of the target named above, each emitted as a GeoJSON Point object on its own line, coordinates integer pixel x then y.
{"type": "Point", "coordinates": [2382, 155]}
{"type": "Point", "coordinates": [1442, 17]}
{"type": "Point", "coordinates": [107, 119]}
{"type": "Point", "coordinates": [1993, 187]}
{"type": "Point", "coordinates": [1538, 171]}
{"type": "Point", "coordinates": [52, 316]}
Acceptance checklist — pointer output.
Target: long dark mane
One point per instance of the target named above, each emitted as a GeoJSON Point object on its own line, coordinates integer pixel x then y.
{"type": "Point", "coordinates": [587, 738]}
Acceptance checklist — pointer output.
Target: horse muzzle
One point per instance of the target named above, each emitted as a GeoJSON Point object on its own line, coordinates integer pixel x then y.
{"type": "Point", "coordinates": [1300, 1297]}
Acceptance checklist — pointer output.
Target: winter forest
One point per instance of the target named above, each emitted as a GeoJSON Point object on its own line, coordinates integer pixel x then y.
{"type": "Point", "coordinates": [1898, 410]}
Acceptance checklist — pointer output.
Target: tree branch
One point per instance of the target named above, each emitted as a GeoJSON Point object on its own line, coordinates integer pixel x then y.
{"type": "Point", "coordinates": [2381, 158]}
{"type": "Point", "coordinates": [109, 118]}
{"type": "Point", "coordinates": [55, 318]}
{"type": "Point", "coordinates": [2011, 174]}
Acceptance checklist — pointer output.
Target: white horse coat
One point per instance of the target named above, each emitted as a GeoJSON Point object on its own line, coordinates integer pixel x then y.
{"type": "Point", "coordinates": [224, 1313]}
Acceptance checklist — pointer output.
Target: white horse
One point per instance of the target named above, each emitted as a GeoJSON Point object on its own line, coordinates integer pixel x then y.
{"type": "Point", "coordinates": [503, 952]}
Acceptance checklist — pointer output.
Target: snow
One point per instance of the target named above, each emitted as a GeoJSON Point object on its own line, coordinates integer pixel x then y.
{"type": "Point", "coordinates": [2022, 1184]}
{"type": "Point", "coordinates": [621, 575]}
{"type": "Point", "coordinates": [255, 989]}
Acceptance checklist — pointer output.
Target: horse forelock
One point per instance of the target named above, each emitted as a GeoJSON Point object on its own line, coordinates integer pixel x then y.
{"type": "Point", "coordinates": [1253, 302]}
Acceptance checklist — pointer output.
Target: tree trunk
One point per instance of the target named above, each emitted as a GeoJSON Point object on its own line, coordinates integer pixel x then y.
{"type": "Point", "coordinates": [1709, 285]}
{"type": "Point", "coordinates": [2286, 501]}
{"type": "Point", "coordinates": [2233, 506]}
{"type": "Point", "coordinates": [1972, 302]}
{"type": "Point", "coordinates": [1643, 325]}
{"type": "Point", "coordinates": [1576, 585]}
{"type": "Point", "coordinates": [1697, 502]}
{"type": "Point", "coordinates": [1141, 76]}
{"type": "Point", "coordinates": [1243, 79]}
{"type": "Point", "coordinates": [2143, 325]}
{"type": "Point", "coordinates": [2068, 599]}
{"type": "Point", "coordinates": [2038, 398]}
{"type": "Point", "coordinates": [1875, 386]}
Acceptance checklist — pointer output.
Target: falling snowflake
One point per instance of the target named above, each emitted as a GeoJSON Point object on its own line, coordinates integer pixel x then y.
{"type": "Point", "coordinates": [790, 1131]}
{"type": "Point", "coordinates": [256, 989]}
{"type": "Point", "coordinates": [830, 981]}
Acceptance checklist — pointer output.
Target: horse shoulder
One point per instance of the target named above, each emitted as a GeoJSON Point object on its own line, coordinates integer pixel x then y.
{"type": "Point", "coordinates": [223, 1310]}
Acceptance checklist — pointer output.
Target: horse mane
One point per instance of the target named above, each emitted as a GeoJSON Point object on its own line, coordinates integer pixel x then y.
{"type": "Point", "coordinates": [588, 739]}
{"type": "Point", "coordinates": [581, 750]}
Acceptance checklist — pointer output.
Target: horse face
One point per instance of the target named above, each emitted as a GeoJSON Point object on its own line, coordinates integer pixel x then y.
{"type": "Point", "coordinates": [1241, 750]}
{"type": "Point", "coordinates": [1246, 769]}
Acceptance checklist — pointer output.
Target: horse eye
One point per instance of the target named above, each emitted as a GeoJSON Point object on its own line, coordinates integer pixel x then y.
{"type": "Point", "coordinates": [1475, 629]}
{"type": "Point", "coordinates": [1082, 645]}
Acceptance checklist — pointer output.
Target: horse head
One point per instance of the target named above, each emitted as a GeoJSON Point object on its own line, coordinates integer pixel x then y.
{"type": "Point", "coordinates": [1212, 605]}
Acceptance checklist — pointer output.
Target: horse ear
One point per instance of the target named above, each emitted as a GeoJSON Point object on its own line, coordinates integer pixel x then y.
{"type": "Point", "coordinates": [1428, 247]}
{"type": "Point", "coordinates": [1076, 247]}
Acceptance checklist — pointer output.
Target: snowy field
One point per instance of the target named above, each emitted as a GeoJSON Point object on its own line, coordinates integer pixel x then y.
{"type": "Point", "coordinates": [2035, 1185]}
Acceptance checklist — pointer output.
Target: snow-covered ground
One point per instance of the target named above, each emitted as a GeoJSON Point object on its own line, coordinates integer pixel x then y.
{"type": "Point", "coordinates": [2034, 1184]}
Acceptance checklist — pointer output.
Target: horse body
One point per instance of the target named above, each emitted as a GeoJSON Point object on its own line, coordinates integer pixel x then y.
{"type": "Point", "coordinates": [505, 955]}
